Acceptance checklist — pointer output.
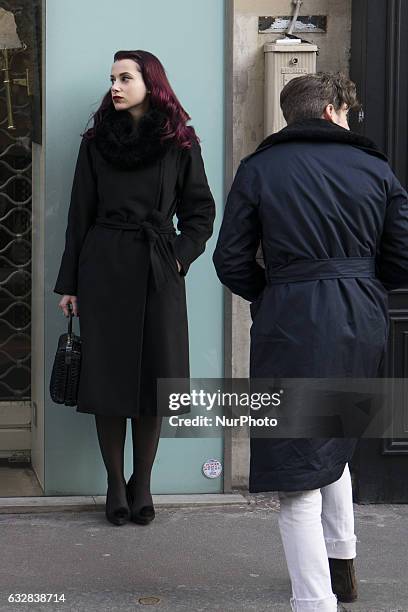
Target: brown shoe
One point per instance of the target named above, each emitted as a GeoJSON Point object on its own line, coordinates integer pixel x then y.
{"type": "Point", "coordinates": [343, 579]}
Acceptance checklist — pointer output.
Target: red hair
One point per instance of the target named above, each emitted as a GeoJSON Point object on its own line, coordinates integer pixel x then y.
{"type": "Point", "coordinates": [162, 97]}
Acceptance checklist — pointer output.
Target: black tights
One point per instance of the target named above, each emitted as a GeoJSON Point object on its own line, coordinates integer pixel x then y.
{"type": "Point", "coordinates": [145, 437]}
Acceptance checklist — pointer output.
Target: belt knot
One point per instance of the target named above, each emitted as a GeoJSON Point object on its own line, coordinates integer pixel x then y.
{"type": "Point", "coordinates": [149, 230]}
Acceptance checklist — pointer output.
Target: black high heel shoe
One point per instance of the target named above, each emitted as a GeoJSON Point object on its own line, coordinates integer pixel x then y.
{"type": "Point", "coordinates": [118, 515]}
{"type": "Point", "coordinates": [145, 515]}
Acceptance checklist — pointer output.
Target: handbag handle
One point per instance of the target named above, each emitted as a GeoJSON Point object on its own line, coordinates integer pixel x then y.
{"type": "Point", "coordinates": [70, 311]}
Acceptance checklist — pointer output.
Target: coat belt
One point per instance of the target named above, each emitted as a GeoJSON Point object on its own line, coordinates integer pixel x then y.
{"type": "Point", "coordinates": [320, 269]}
{"type": "Point", "coordinates": [154, 229]}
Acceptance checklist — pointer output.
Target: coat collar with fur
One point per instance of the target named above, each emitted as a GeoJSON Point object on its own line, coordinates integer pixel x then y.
{"type": "Point", "coordinates": [319, 130]}
{"type": "Point", "coordinates": [127, 145]}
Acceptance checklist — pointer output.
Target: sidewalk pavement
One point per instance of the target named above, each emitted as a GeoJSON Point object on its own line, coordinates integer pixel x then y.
{"type": "Point", "coordinates": [189, 559]}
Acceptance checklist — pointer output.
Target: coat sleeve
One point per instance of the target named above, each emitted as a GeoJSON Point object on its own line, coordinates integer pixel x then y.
{"type": "Point", "coordinates": [239, 238]}
{"type": "Point", "coordinates": [392, 255]}
{"type": "Point", "coordinates": [81, 214]}
{"type": "Point", "coordinates": [195, 208]}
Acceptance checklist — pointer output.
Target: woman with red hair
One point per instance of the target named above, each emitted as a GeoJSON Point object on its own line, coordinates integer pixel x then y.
{"type": "Point", "coordinates": [123, 267]}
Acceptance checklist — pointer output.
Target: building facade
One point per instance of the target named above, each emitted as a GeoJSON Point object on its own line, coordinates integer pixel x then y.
{"type": "Point", "coordinates": [57, 56]}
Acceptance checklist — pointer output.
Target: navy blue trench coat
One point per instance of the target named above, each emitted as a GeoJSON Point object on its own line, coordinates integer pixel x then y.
{"type": "Point", "coordinates": [332, 220]}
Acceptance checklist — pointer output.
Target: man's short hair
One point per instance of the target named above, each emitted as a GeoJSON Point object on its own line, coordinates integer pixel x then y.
{"type": "Point", "coordinates": [307, 96]}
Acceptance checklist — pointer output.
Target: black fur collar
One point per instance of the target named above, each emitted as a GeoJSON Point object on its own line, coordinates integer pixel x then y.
{"type": "Point", "coordinates": [127, 145]}
{"type": "Point", "coordinates": [322, 131]}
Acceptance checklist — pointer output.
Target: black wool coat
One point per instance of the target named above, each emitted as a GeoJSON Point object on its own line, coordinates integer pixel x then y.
{"type": "Point", "coordinates": [120, 260]}
{"type": "Point", "coordinates": [332, 220]}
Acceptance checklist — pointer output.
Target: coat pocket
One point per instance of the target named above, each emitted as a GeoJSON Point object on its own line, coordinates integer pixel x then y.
{"type": "Point", "coordinates": [174, 257]}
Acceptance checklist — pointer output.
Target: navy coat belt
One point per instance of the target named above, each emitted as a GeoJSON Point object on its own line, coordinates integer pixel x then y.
{"type": "Point", "coordinates": [153, 229]}
{"type": "Point", "coordinates": [320, 269]}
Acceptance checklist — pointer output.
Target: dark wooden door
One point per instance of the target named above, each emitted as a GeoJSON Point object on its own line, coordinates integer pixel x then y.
{"type": "Point", "coordinates": [379, 66]}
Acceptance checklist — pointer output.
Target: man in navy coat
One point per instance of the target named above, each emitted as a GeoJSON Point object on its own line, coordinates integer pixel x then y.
{"type": "Point", "coordinates": [332, 220]}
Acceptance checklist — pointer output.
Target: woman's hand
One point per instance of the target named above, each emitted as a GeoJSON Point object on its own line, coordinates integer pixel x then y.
{"type": "Point", "coordinates": [65, 300]}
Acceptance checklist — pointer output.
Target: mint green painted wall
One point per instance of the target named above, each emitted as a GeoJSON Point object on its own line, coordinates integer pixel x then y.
{"type": "Point", "coordinates": [81, 38]}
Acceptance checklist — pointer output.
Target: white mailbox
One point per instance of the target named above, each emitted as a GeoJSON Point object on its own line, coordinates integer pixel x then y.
{"type": "Point", "coordinates": [283, 62]}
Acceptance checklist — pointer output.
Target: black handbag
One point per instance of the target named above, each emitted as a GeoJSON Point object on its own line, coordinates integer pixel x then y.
{"type": "Point", "coordinates": [66, 369]}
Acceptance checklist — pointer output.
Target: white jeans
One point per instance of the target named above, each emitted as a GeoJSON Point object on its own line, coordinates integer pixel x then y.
{"type": "Point", "coordinates": [315, 525]}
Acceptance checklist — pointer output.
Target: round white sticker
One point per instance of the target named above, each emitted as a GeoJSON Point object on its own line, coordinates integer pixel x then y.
{"type": "Point", "coordinates": [212, 468]}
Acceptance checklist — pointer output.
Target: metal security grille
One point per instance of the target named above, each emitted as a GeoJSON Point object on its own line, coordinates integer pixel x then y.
{"type": "Point", "coordinates": [16, 60]}
{"type": "Point", "coordinates": [15, 257]}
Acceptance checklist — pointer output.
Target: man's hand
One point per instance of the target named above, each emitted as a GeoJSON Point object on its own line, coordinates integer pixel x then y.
{"type": "Point", "coordinates": [65, 300]}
